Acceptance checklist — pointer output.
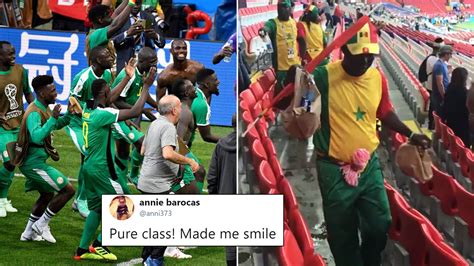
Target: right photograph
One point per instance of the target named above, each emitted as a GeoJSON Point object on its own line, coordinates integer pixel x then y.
{"type": "Point", "coordinates": [360, 114]}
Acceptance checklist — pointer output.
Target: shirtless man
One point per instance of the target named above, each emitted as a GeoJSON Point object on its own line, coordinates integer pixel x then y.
{"type": "Point", "coordinates": [180, 68]}
{"type": "Point", "coordinates": [185, 91]}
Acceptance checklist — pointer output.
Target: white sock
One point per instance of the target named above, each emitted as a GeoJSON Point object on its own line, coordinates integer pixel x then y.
{"type": "Point", "coordinates": [46, 217]}
{"type": "Point", "coordinates": [31, 220]}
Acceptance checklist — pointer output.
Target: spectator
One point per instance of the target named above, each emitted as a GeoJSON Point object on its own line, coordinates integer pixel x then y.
{"type": "Point", "coordinates": [430, 62]}
{"type": "Point", "coordinates": [440, 77]}
{"type": "Point", "coordinates": [455, 111]}
{"type": "Point", "coordinates": [283, 34]}
{"type": "Point", "coordinates": [222, 175]}
{"type": "Point", "coordinates": [139, 31]}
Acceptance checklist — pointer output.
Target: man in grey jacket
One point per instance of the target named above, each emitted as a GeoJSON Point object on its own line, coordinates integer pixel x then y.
{"type": "Point", "coordinates": [221, 178]}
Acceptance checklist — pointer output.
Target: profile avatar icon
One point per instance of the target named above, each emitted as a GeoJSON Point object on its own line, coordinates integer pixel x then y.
{"type": "Point", "coordinates": [121, 208]}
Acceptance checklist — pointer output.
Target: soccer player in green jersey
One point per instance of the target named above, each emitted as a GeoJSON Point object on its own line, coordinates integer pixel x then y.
{"type": "Point", "coordinates": [99, 171]}
{"type": "Point", "coordinates": [13, 86]}
{"type": "Point", "coordinates": [33, 149]}
{"type": "Point", "coordinates": [208, 84]}
{"type": "Point", "coordinates": [101, 62]}
{"type": "Point", "coordinates": [128, 97]}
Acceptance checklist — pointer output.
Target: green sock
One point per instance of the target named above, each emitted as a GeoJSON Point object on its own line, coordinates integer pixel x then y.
{"type": "Point", "coordinates": [91, 226]}
{"type": "Point", "coordinates": [137, 160]}
{"type": "Point", "coordinates": [99, 237]}
{"type": "Point", "coordinates": [6, 178]}
{"type": "Point", "coordinates": [199, 184]}
{"type": "Point", "coordinates": [121, 168]}
{"type": "Point", "coordinates": [81, 190]}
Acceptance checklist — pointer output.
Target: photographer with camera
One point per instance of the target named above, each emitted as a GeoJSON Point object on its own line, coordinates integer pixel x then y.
{"type": "Point", "coordinates": [141, 30]}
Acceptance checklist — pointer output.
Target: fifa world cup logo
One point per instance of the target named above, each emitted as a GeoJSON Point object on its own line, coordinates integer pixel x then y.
{"type": "Point", "coordinates": [10, 92]}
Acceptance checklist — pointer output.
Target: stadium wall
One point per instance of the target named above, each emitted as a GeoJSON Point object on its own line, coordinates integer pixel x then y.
{"type": "Point", "coordinates": [61, 54]}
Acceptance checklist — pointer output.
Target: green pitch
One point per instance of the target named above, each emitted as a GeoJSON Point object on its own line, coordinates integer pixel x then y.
{"type": "Point", "coordinates": [466, 25]}
{"type": "Point", "coordinates": [67, 225]}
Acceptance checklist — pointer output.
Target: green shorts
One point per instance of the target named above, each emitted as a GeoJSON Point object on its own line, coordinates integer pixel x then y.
{"type": "Point", "coordinates": [98, 182]}
{"type": "Point", "coordinates": [122, 131]}
{"type": "Point", "coordinates": [188, 175]}
{"type": "Point", "coordinates": [43, 178]}
{"type": "Point", "coordinates": [7, 136]}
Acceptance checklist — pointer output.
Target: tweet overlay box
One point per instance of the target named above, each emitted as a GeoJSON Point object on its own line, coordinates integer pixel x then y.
{"type": "Point", "coordinates": [192, 220]}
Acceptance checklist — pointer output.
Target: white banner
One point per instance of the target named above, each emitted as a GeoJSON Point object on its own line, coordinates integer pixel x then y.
{"type": "Point", "coordinates": [192, 220]}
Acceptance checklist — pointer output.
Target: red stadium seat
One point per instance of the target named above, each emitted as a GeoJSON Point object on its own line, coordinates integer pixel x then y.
{"type": "Point", "coordinates": [465, 201]}
{"type": "Point", "coordinates": [453, 148]}
{"type": "Point", "coordinates": [463, 160]}
{"type": "Point", "coordinates": [289, 254]}
{"type": "Point", "coordinates": [257, 90]}
{"type": "Point", "coordinates": [314, 260]}
{"type": "Point", "coordinates": [439, 253]}
{"type": "Point", "coordinates": [268, 79]}
{"type": "Point", "coordinates": [247, 95]}
{"type": "Point", "coordinates": [290, 200]}
{"type": "Point", "coordinates": [258, 153]}
{"type": "Point", "coordinates": [276, 167]}
{"type": "Point", "coordinates": [445, 190]}
{"type": "Point", "coordinates": [445, 132]}
{"type": "Point", "coordinates": [266, 178]}
{"type": "Point", "coordinates": [301, 231]}
{"type": "Point", "coordinates": [438, 128]}
{"type": "Point", "coordinates": [269, 146]}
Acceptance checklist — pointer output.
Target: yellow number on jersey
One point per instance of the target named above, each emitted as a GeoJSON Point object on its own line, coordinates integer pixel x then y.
{"type": "Point", "coordinates": [85, 132]}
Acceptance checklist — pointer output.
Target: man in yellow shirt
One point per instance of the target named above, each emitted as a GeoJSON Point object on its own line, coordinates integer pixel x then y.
{"type": "Point", "coordinates": [353, 96]}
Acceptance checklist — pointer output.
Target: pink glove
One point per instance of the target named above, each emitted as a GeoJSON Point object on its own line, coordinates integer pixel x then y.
{"type": "Point", "coordinates": [352, 171]}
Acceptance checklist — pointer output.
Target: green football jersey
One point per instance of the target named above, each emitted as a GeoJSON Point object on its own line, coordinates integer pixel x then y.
{"type": "Point", "coordinates": [82, 83]}
{"type": "Point", "coordinates": [133, 89]}
{"type": "Point", "coordinates": [96, 129]}
{"type": "Point", "coordinates": [201, 112]}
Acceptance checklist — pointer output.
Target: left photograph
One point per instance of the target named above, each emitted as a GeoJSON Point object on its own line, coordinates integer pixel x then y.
{"type": "Point", "coordinates": [111, 98]}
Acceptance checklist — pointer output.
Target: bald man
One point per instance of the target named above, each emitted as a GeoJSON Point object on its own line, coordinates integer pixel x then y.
{"type": "Point", "coordinates": [160, 173]}
{"type": "Point", "coordinates": [180, 68]}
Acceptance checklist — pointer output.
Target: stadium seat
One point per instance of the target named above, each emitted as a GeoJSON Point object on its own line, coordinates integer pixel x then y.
{"type": "Point", "coordinates": [301, 232]}
{"type": "Point", "coordinates": [247, 95]}
{"type": "Point", "coordinates": [445, 190]}
{"type": "Point", "coordinates": [266, 178]}
{"type": "Point", "coordinates": [268, 79]}
{"type": "Point", "coordinates": [443, 202]}
{"type": "Point", "coordinates": [289, 254]}
{"type": "Point", "coordinates": [276, 167]}
{"type": "Point", "coordinates": [257, 90]}
{"type": "Point", "coordinates": [258, 153]}
{"type": "Point", "coordinates": [313, 260]}
{"type": "Point", "coordinates": [269, 146]}
{"type": "Point", "coordinates": [290, 200]}
{"type": "Point", "coordinates": [465, 160]}
{"type": "Point", "coordinates": [464, 223]}
{"type": "Point", "coordinates": [439, 253]}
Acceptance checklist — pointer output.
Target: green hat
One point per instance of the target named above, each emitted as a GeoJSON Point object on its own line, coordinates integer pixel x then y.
{"type": "Point", "coordinates": [285, 2]}
{"type": "Point", "coordinates": [312, 9]}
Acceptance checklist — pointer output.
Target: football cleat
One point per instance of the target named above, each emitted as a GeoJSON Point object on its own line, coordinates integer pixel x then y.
{"type": "Point", "coordinates": [103, 252]}
{"type": "Point", "coordinates": [31, 237]}
{"type": "Point", "coordinates": [44, 232]}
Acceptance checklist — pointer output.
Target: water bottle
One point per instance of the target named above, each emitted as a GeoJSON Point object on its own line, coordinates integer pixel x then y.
{"type": "Point", "coordinates": [227, 59]}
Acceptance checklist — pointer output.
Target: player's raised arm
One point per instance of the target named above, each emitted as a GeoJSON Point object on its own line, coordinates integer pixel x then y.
{"type": "Point", "coordinates": [137, 108]}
